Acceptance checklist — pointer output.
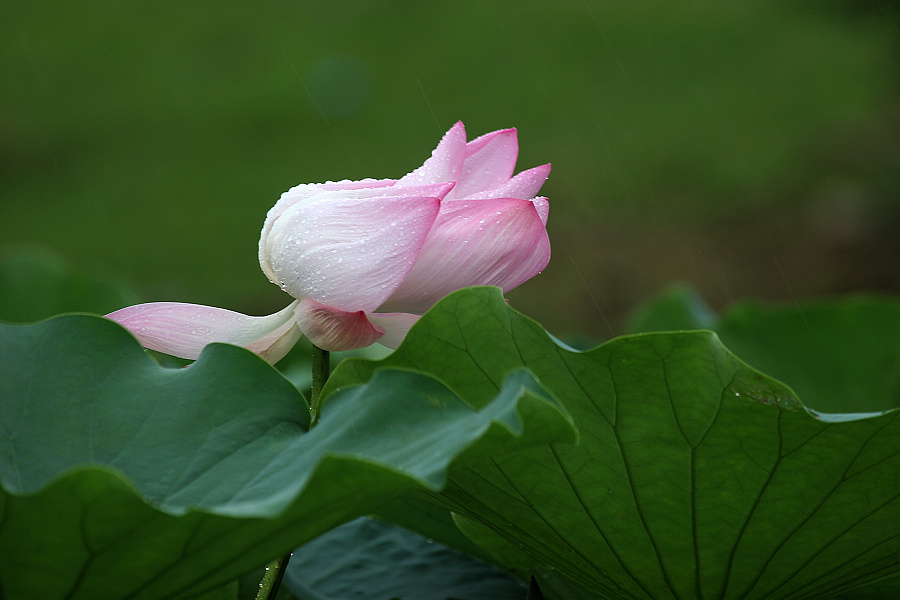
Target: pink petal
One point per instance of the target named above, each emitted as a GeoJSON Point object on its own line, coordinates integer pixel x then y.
{"type": "Point", "coordinates": [524, 185]}
{"type": "Point", "coordinates": [334, 329]}
{"type": "Point", "coordinates": [446, 161]}
{"type": "Point", "coordinates": [486, 139]}
{"type": "Point", "coordinates": [395, 326]}
{"type": "Point", "coordinates": [490, 162]}
{"type": "Point", "coordinates": [184, 329]}
{"type": "Point", "coordinates": [542, 205]}
{"type": "Point", "coordinates": [350, 249]}
{"type": "Point", "coordinates": [499, 242]}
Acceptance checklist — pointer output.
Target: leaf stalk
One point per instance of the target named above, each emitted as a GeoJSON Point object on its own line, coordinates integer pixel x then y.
{"type": "Point", "coordinates": [321, 370]}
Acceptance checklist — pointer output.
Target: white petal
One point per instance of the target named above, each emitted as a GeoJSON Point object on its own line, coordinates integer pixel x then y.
{"type": "Point", "coordinates": [350, 249]}
{"type": "Point", "coordinates": [301, 192]}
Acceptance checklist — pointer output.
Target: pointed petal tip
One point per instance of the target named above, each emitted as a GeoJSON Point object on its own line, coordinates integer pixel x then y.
{"type": "Point", "coordinates": [510, 134]}
{"type": "Point", "coordinates": [541, 172]}
{"type": "Point", "coordinates": [456, 133]}
{"type": "Point", "coordinates": [542, 206]}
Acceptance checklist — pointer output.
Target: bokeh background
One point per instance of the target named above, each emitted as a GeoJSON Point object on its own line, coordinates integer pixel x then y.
{"type": "Point", "coordinates": [750, 149]}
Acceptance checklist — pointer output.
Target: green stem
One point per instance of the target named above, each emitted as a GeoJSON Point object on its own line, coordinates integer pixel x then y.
{"type": "Point", "coordinates": [321, 369]}
{"type": "Point", "coordinates": [271, 581]}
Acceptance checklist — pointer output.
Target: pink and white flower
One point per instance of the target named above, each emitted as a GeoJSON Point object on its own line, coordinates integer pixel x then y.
{"type": "Point", "coordinates": [364, 259]}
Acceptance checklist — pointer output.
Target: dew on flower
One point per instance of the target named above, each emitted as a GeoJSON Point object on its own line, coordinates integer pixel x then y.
{"type": "Point", "coordinates": [340, 228]}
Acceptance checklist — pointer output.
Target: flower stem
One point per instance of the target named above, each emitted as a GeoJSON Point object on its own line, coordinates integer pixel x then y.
{"type": "Point", "coordinates": [271, 581]}
{"type": "Point", "coordinates": [321, 369]}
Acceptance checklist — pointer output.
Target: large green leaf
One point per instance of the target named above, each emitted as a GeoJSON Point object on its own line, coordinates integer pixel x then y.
{"type": "Point", "coordinates": [695, 477]}
{"type": "Point", "coordinates": [839, 355]}
{"type": "Point", "coordinates": [121, 478]}
{"type": "Point", "coordinates": [368, 559]}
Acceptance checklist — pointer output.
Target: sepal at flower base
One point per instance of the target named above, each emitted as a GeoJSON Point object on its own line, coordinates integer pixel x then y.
{"type": "Point", "coordinates": [334, 329]}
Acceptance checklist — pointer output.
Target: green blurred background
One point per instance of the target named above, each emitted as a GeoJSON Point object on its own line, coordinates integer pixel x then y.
{"type": "Point", "coordinates": [749, 148]}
